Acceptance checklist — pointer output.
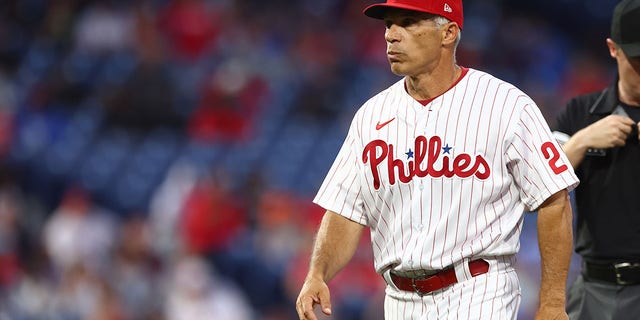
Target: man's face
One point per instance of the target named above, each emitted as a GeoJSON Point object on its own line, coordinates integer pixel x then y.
{"type": "Point", "coordinates": [414, 42]}
{"type": "Point", "coordinates": [628, 69]}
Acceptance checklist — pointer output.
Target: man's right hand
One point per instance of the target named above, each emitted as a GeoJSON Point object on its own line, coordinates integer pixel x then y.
{"type": "Point", "coordinates": [314, 292]}
{"type": "Point", "coordinates": [609, 132]}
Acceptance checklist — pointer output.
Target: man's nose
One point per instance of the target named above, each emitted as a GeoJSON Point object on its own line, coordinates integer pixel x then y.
{"type": "Point", "coordinates": [392, 34]}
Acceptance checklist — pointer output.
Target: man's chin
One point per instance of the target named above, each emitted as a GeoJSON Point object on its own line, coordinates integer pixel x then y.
{"type": "Point", "coordinates": [395, 69]}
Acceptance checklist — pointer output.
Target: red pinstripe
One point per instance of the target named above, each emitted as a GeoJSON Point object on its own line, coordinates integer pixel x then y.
{"type": "Point", "coordinates": [465, 143]}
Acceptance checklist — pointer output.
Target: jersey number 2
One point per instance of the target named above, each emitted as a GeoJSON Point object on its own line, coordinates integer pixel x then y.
{"type": "Point", "coordinates": [551, 153]}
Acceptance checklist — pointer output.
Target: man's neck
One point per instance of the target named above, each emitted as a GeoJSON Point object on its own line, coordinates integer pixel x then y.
{"type": "Point", "coordinates": [429, 85]}
{"type": "Point", "coordinates": [628, 95]}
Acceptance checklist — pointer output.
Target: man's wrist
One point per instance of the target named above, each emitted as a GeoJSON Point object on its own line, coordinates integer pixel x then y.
{"type": "Point", "coordinates": [315, 275]}
{"type": "Point", "coordinates": [552, 299]}
{"type": "Point", "coordinates": [580, 141]}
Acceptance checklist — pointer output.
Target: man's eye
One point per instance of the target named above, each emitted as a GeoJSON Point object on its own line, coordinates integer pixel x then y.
{"type": "Point", "coordinates": [407, 22]}
{"type": "Point", "coordinates": [401, 23]}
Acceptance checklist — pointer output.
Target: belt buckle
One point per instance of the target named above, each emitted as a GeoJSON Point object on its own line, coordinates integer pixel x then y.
{"type": "Point", "coordinates": [425, 277]}
{"type": "Point", "coordinates": [620, 267]}
{"type": "Point", "coordinates": [415, 287]}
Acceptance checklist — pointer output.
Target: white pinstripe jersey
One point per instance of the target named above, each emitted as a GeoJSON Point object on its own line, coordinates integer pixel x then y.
{"type": "Point", "coordinates": [448, 180]}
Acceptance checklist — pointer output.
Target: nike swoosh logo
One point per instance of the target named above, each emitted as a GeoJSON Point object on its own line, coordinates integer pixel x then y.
{"type": "Point", "coordinates": [381, 125]}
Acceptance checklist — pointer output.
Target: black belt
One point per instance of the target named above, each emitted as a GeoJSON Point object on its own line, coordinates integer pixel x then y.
{"type": "Point", "coordinates": [623, 273]}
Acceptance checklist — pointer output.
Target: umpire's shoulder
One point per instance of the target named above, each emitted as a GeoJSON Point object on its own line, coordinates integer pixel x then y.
{"type": "Point", "coordinates": [585, 101]}
{"type": "Point", "coordinates": [576, 114]}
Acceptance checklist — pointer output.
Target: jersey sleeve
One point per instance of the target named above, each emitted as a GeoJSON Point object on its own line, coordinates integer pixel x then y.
{"type": "Point", "coordinates": [341, 189]}
{"type": "Point", "coordinates": [536, 161]}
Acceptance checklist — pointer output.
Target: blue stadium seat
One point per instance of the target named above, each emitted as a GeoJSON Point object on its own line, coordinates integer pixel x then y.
{"type": "Point", "coordinates": [104, 159]}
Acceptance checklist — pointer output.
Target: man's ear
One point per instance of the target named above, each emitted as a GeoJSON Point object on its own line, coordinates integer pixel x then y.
{"type": "Point", "coordinates": [451, 33]}
{"type": "Point", "coordinates": [613, 48]}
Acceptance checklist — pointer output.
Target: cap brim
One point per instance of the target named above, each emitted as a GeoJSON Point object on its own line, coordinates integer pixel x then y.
{"type": "Point", "coordinates": [631, 49]}
{"type": "Point", "coordinates": [377, 11]}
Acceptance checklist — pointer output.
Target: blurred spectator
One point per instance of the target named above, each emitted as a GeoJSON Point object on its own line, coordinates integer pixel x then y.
{"type": "Point", "coordinates": [62, 87]}
{"type": "Point", "coordinates": [166, 208]}
{"type": "Point", "coordinates": [104, 27]}
{"type": "Point", "coordinates": [79, 235]}
{"type": "Point", "coordinates": [231, 98]}
{"type": "Point", "coordinates": [212, 216]}
{"type": "Point", "coordinates": [278, 234]}
{"type": "Point", "coordinates": [146, 99]}
{"type": "Point", "coordinates": [7, 111]}
{"type": "Point", "coordinates": [24, 285]}
{"type": "Point", "coordinates": [31, 296]}
{"type": "Point", "coordinates": [136, 272]}
{"type": "Point", "coordinates": [270, 248]}
{"type": "Point", "coordinates": [195, 293]}
{"type": "Point", "coordinates": [190, 27]}
{"type": "Point", "coordinates": [59, 21]}
{"type": "Point", "coordinates": [317, 99]}
{"type": "Point", "coordinates": [84, 294]}
{"type": "Point", "coordinates": [9, 236]}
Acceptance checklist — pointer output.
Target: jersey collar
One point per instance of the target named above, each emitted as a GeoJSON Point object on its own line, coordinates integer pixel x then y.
{"type": "Point", "coordinates": [607, 101]}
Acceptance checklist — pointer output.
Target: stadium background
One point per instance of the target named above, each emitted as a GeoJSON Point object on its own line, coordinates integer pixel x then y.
{"type": "Point", "coordinates": [158, 158]}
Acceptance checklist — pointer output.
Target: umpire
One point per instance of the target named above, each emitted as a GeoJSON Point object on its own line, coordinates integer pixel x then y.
{"type": "Point", "coordinates": [600, 136]}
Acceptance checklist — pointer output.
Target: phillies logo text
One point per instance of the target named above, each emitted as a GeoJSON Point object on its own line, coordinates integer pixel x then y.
{"type": "Point", "coordinates": [427, 152]}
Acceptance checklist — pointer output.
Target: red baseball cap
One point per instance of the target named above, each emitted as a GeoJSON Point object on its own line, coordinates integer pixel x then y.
{"type": "Point", "coordinates": [450, 9]}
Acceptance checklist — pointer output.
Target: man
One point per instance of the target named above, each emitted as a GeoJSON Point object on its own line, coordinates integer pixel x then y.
{"type": "Point", "coordinates": [600, 135]}
{"type": "Point", "coordinates": [441, 166]}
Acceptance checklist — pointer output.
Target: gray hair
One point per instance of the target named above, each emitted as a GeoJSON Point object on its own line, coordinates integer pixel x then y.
{"type": "Point", "coordinates": [440, 21]}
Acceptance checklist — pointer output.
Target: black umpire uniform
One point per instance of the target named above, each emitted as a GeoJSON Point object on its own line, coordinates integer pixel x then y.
{"type": "Point", "coordinates": [607, 199]}
{"type": "Point", "coordinates": [608, 210]}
